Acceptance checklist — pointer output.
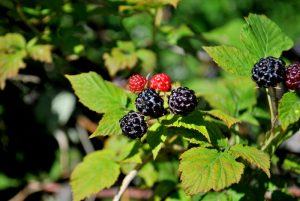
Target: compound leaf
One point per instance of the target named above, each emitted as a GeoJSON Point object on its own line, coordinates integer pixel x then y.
{"type": "Point", "coordinates": [96, 172]}
{"type": "Point", "coordinates": [205, 169]}
{"type": "Point", "coordinates": [98, 95]}
{"type": "Point", "coordinates": [262, 37]}
{"type": "Point", "coordinates": [253, 156]}
{"type": "Point", "coordinates": [289, 109]}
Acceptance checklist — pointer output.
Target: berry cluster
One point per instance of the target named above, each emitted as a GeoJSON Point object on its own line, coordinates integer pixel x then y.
{"type": "Point", "coordinates": [270, 71]}
{"type": "Point", "coordinates": [149, 102]}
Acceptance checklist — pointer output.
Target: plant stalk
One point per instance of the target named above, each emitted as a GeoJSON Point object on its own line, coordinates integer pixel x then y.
{"type": "Point", "coordinates": [273, 105]}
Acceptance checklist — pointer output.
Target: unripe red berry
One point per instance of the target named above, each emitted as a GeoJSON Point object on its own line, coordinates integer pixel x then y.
{"type": "Point", "coordinates": [136, 83]}
{"type": "Point", "coordinates": [161, 81]}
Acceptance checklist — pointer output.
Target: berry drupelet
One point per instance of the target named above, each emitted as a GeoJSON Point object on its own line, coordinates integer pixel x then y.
{"type": "Point", "coordinates": [268, 72]}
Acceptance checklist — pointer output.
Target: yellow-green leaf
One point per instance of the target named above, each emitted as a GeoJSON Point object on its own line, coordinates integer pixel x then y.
{"type": "Point", "coordinates": [121, 57]}
{"type": "Point", "coordinates": [12, 53]}
{"type": "Point", "coordinates": [228, 120]}
{"type": "Point", "coordinates": [41, 53]}
{"type": "Point", "coordinates": [156, 136]}
{"type": "Point", "coordinates": [253, 156]}
{"type": "Point", "coordinates": [205, 169]}
{"type": "Point", "coordinates": [96, 172]}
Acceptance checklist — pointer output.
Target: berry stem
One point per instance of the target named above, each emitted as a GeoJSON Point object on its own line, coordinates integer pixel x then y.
{"type": "Point", "coordinates": [273, 104]}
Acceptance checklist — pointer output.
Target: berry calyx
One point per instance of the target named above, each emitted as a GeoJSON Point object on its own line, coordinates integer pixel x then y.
{"type": "Point", "coordinates": [292, 76]}
{"type": "Point", "coordinates": [133, 125]}
{"type": "Point", "coordinates": [136, 83]}
{"type": "Point", "coordinates": [161, 81]}
{"type": "Point", "coordinates": [268, 72]}
{"type": "Point", "coordinates": [149, 103]}
{"type": "Point", "coordinates": [182, 101]}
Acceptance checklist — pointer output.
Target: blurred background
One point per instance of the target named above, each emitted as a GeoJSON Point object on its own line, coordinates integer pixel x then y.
{"type": "Point", "coordinates": [44, 129]}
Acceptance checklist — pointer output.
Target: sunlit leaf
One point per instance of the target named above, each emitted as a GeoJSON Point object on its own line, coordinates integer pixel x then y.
{"type": "Point", "coordinates": [96, 172]}
{"type": "Point", "coordinates": [205, 169]}
{"type": "Point", "coordinates": [228, 120]}
{"type": "Point", "coordinates": [98, 95]}
{"type": "Point", "coordinates": [253, 156]}
{"type": "Point", "coordinates": [40, 53]}
{"type": "Point", "coordinates": [262, 37]}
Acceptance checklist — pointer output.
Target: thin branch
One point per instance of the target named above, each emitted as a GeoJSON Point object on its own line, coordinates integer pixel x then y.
{"type": "Point", "coordinates": [126, 181]}
{"type": "Point", "coordinates": [85, 141]}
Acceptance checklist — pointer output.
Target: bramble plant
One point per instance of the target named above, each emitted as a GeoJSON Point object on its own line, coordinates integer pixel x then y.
{"type": "Point", "coordinates": [211, 153]}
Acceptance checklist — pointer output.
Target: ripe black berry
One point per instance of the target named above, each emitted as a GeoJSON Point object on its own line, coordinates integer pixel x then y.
{"type": "Point", "coordinates": [182, 101]}
{"type": "Point", "coordinates": [149, 103]}
{"type": "Point", "coordinates": [133, 125]}
{"type": "Point", "coordinates": [292, 76]}
{"type": "Point", "coordinates": [268, 72]}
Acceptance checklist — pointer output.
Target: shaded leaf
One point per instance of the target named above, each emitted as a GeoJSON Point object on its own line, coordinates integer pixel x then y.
{"type": "Point", "coordinates": [253, 156]}
{"type": "Point", "coordinates": [227, 119]}
{"type": "Point", "coordinates": [231, 59]}
{"type": "Point", "coordinates": [207, 169]}
{"type": "Point", "coordinates": [156, 136]}
{"type": "Point", "coordinates": [289, 109]}
{"type": "Point", "coordinates": [96, 94]}
{"type": "Point", "coordinates": [89, 176]}
{"type": "Point", "coordinates": [109, 124]}
{"type": "Point", "coordinates": [149, 174]}
{"type": "Point", "coordinates": [121, 57]}
{"type": "Point", "coordinates": [262, 37]}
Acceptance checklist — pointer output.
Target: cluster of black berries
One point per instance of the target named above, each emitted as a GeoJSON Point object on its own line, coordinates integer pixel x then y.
{"type": "Point", "coordinates": [270, 71]}
{"type": "Point", "coordinates": [149, 103]}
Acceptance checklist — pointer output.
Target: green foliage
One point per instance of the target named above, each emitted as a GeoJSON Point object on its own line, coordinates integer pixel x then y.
{"type": "Point", "coordinates": [228, 120]}
{"type": "Point", "coordinates": [289, 109]}
{"type": "Point", "coordinates": [13, 51]}
{"type": "Point", "coordinates": [156, 136]}
{"type": "Point", "coordinates": [205, 169]}
{"type": "Point", "coordinates": [96, 172]}
{"type": "Point", "coordinates": [260, 38]}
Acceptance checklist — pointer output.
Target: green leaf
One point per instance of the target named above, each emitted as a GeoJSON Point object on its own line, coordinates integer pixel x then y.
{"type": "Point", "coordinates": [96, 94]}
{"type": "Point", "coordinates": [127, 151]}
{"type": "Point", "coordinates": [263, 38]}
{"type": "Point", "coordinates": [120, 58]}
{"type": "Point", "coordinates": [289, 109]}
{"type": "Point", "coordinates": [204, 169]}
{"type": "Point", "coordinates": [192, 121]}
{"type": "Point", "coordinates": [109, 124]}
{"type": "Point", "coordinates": [148, 174]}
{"type": "Point", "coordinates": [253, 156]}
{"type": "Point", "coordinates": [12, 53]}
{"type": "Point", "coordinates": [156, 136]}
{"type": "Point", "coordinates": [232, 59]}
{"type": "Point", "coordinates": [148, 59]}
{"type": "Point", "coordinates": [96, 172]}
{"type": "Point", "coordinates": [227, 119]}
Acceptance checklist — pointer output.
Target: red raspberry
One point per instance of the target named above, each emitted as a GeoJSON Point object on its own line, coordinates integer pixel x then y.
{"type": "Point", "coordinates": [161, 81]}
{"type": "Point", "coordinates": [136, 83]}
{"type": "Point", "coordinates": [292, 76]}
